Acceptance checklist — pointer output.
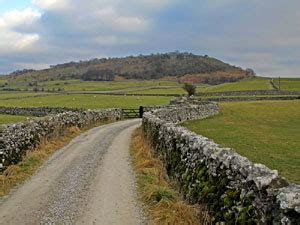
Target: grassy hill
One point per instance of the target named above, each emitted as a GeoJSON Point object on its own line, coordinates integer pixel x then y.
{"type": "Point", "coordinates": [138, 67]}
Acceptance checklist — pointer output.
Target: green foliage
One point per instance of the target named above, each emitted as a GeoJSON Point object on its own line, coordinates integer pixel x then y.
{"type": "Point", "coordinates": [163, 193]}
{"type": "Point", "coordinates": [265, 132]}
{"type": "Point", "coordinates": [146, 179]}
{"type": "Point", "coordinates": [201, 187]}
{"type": "Point", "coordinates": [98, 75]}
{"type": "Point", "coordinates": [190, 89]}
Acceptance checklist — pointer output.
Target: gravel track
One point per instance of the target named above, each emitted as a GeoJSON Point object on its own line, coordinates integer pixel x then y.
{"type": "Point", "coordinates": [90, 181]}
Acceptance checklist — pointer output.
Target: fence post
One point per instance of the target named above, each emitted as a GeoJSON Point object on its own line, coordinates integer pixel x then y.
{"type": "Point", "coordinates": [141, 111]}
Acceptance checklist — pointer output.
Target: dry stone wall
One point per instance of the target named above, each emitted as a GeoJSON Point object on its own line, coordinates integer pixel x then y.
{"type": "Point", "coordinates": [249, 92]}
{"type": "Point", "coordinates": [16, 139]}
{"type": "Point", "coordinates": [235, 190]}
{"type": "Point", "coordinates": [258, 98]}
{"type": "Point", "coordinates": [36, 112]}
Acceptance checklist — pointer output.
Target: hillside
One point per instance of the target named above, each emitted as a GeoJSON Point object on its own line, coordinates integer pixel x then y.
{"type": "Point", "coordinates": [202, 68]}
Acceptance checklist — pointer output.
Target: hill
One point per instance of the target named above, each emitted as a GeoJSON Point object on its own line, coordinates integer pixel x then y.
{"type": "Point", "coordinates": [176, 65]}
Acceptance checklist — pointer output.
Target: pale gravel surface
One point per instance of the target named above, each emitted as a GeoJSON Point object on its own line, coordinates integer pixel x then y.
{"type": "Point", "coordinates": [90, 181]}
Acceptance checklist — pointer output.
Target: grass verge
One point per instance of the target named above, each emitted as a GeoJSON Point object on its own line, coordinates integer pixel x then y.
{"type": "Point", "coordinates": [14, 175]}
{"type": "Point", "coordinates": [163, 204]}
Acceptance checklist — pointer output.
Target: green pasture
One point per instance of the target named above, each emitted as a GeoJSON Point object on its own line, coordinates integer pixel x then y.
{"type": "Point", "coordinates": [266, 132]}
{"type": "Point", "coordinates": [6, 119]}
{"type": "Point", "coordinates": [289, 84]}
{"type": "Point", "coordinates": [257, 83]}
{"type": "Point", "coordinates": [79, 85]}
{"type": "Point", "coordinates": [88, 101]}
{"type": "Point", "coordinates": [160, 90]}
{"type": "Point", "coordinates": [2, 82]}
{"type": "Point", "coordinates": [14, 94]}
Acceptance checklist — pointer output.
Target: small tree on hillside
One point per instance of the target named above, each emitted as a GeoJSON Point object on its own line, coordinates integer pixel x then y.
{"type": "Point", "coordinates": [190, 89]}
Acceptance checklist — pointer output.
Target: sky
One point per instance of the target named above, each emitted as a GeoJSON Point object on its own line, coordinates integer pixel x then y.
{"type": "Point", "coordinates": [262, 35]}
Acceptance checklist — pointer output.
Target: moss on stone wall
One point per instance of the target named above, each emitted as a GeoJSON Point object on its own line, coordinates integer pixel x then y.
{"type": "Point", "coordinates": [235, 190]}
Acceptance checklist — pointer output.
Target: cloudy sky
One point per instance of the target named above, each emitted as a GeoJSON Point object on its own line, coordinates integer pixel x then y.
{"type": "Point", "coordinates": [263, 35]}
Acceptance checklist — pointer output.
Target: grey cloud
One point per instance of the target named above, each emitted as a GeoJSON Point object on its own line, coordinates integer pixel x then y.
{"type": "Point", "coordinates": [263, 35]}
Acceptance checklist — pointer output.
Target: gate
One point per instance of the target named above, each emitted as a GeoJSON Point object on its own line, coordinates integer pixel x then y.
{"type": "Point", "coordinates": [131, 113]}
{"type": "Point", "coordinates": [135, 113]}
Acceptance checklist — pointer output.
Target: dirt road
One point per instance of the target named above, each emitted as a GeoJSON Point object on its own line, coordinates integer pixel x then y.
{"type": "Point", "coordinates": [90, 181]}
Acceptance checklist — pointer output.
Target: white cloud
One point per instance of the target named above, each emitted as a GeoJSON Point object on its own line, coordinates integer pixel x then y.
{"type": "Point", "coordinates": [12, 40]}
{"type": "Point", "coordinates": [130, 23]}
{"type": "Point", "coordinates": [26, 40]}
{"type": "Point", "coordinates": [15, 18]}
{"type": "Point", "coordinates": [154, 4]}
{"type": "Point", "coordinates": [111, 18]}
{"type": "Point", "coordinates": [51, 4]}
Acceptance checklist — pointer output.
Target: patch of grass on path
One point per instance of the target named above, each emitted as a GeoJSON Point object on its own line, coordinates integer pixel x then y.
{"type": "Point", "coordinates": [265, 132]}
{"type": "Point", "coordinates": [163, 204]}
{"type": "Point", "coordinates": [6, 119]}
{"type": "Point", "coordinates": [88, 101]}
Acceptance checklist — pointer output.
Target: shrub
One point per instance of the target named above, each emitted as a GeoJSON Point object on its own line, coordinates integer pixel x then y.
{"type": "Point", "coordinates": [190, 89]}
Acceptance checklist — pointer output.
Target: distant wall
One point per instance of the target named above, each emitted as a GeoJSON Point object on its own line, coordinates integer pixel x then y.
{"type": "Point", "coordinates": [37, 112]}
{"type": "Point", "coordinates": [235, 190]}
{"type": "Point", "coordinates": [241, 98]}
{"type": "Point", "coordinates": [18, 138]}
{"type": "Point", "coordinates": [249, 92]}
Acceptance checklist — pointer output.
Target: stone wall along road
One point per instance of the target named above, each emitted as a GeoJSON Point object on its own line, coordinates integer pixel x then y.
{"type": "Point", "coordinates": [89, 181]}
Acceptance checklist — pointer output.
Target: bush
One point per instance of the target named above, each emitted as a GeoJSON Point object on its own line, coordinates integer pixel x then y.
{"type": "Point", "coordinates": [190, 89]}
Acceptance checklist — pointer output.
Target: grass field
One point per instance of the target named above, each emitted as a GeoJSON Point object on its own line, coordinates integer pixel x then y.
{"type": "Point", "coordinates": [2, 82]}
{"type": "Point", "coordinates": [258, 83]}
{"type": "Point", "coordinates": [290, 84]}
{"type": "Point", "coordinates": [265, 132]}
{"type": "Point", "coordinates": [152, 86]}
{"type": "Point", "coordinates": [87, 101]}
{"type": "Point", "coordinates": [79, 85]}
{"type": "Point", "coordinates": [212, 98]}
{"type": "Point", "coordinates": [6, 119]}
{"type": "Point", "coordinates": [158, 90]}
{"type": "Point", "coordinates": [13, 94]}
{"type": "Point", "coordinates": [167, 90]}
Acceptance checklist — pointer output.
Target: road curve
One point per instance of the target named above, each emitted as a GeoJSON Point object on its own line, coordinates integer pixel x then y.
{"type": "Point", "coordinates": [89, 181]}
